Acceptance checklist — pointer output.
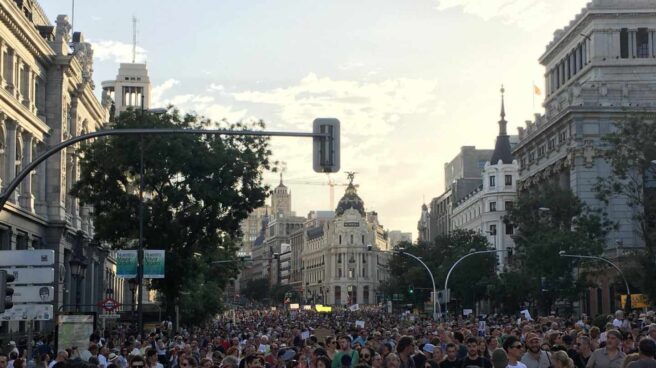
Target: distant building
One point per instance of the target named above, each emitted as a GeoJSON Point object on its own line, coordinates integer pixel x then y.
{"type": "Point", "coordinates": [338, 268]}
{"type": "Point", "coordinates": [395, 237]}
{"type": "Point", "coordinates": [423, 225]}
{"type": "Point", "coordinates": [485, 209]}
{"type": "Point", "coordinates": [130, 89]}
{"type": "Point", "coordinates": [281, 201]}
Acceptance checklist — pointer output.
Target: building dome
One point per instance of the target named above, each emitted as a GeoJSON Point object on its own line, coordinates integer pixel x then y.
{"type": "Point", "coordinates": [351, 199]}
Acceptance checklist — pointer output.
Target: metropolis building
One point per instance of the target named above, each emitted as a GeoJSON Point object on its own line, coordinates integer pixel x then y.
{"type": "Point", "coordinates": [344, 258]}
{"type": "Point", "coordinates": [598, 69]}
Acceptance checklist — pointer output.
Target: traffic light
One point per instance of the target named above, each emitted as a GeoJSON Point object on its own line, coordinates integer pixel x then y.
{"type": "Point", "coordinates": [5, 291]}
{"type": "Point", "coordinates": [325, 150]}
{"type": "Point", "coordinates": [411, 289]}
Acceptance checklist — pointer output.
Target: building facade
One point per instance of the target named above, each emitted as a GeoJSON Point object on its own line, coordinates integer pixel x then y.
{"type": "Point", "coordinates": [599, 69]}
{"type": "Point", "coordinates": [345, 258]}
{"type": "Point", "coordinates": [46, 97]}
{"type": "Point", "coordinates": [395, 237]}
{"type": "Point", "coordinates": [485, 209]}
{"type": "Point", "coordinates": [130, 89]}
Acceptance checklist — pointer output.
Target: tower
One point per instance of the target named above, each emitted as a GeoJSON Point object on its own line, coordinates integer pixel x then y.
{"type": "Point", "coordinates": [281, 201]}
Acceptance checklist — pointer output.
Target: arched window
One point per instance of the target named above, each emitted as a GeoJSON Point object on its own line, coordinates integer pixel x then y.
{"type": "Point", "coordinates": [365, 295]}
{"type": "Point", "coordinates": [338, 295]}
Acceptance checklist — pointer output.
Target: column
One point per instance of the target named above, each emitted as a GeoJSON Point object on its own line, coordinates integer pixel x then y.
{"type": "Point", "coordinates": [2, 62]}
{"type": "Point", "coordinates": [11, 128]}
{"type": "Point", "coordinates": [17, 76]}
{"type": "Point", "coordinates": [632, 44]}
{"type": "Point", "coordinates": [26, 199]}
{"type": "Point", "coordinates": [651, 43]}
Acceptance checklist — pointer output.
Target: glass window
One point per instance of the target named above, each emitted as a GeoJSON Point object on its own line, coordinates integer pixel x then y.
{"type": "Point", "coordinates": [508, 179]}
{"type": "Point", "coordinates": [492, 181]}
{"type": "Point", "coordinates": [642, 43]}
{"type": "Point", "coordinates": [493, 206]}
{"type": "Point", "coordinates": [509, 205]}
{"type": "Point", "coordinates": [624, 43]}
{"type": "Point", "coordinates": [493, 229]}
{"type": "Point", "coordinates": [510, 229]}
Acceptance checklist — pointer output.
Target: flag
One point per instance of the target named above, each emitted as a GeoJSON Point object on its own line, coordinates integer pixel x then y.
{"type": "Point", "coordinates": [537, 90]}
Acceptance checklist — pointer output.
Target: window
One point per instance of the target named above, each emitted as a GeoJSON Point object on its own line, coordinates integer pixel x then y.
{"type": "Point", "coordinates": [552, 143]}
{"type": "Point", "coordinates": [493, 206]}
{"type": "Point", "coordinates": [351, 273]}
{"type": "Point", "coordinates": [510, 229]}
{"type": "Point", "coordinates": [364, 272]}
{"type": "Point", "coordinates": [339, 273]}
{"type": "Point", "coordinates": [509, 205]}
{"type": "Point", "coordinates": [493, 230]}
{"type": "Point", "coordinates": [624, 43]}
{"type": "Point", "coordinates": [339, 258]}
{"type": "Point", "coordinates": [351, 239]}
{"type": "Point", "coordinates": [340, 240]}
{"type": "Point", "coordinates": [492, 181]}
{"type": "Point", "coordinates": [508, 180]}
{"type": "Point", "coordinates": [642, 43]}
{"type": "Point", "coordinates": [364, 258]}
{"type": "Point", "coordinates": [362, 239]}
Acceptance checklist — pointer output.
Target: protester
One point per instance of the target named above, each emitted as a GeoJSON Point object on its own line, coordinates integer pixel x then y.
{"type": "Point", "coordinates": [514, 352]}
{"type": "Point", "coordinates": [609, 356]}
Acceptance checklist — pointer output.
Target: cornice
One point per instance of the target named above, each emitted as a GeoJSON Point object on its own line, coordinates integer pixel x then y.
{"type": "Point", "coordinates": [25, 31]}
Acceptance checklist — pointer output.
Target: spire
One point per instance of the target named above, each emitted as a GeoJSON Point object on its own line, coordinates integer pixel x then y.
{"type": "Point", "coordinates": [502, 149]}
{"type": "Point", "coordinates": [503, 122]}
{"type": "Point", "coordinates": [281, 178]}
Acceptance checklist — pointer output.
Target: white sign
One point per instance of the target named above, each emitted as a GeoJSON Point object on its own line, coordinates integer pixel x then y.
{"type": "Point", "coordinates": [31, 276]}
{"type": "Point", "coordinates": [467, 312]}
{"type": "Point", "coordinates": [33, 294]}
{"type": "Point", "coordinates": [294, 306]}
{"type": "Point", "coordinates": [24, 312]}
{"type": "Point", "coordinates": [35, 257]}
{"type": "Point", "coordinates": [354, 307]}
{"type": "Point", "coordinates": [359, 324]}
{"type": "Point", "coordinates": [305, 335]}
{"type": "Point", "coordinates": [110, 316]}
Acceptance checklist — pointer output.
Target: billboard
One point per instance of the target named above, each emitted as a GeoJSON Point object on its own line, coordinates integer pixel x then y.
{"type": "Point", "coordinates": [33, 294]}
{"type": "Point", "coordinates": [24, 312]}
{"type": "Point", "coordinates": [153, 264]}
{"type": "Point", "coordinates": [73, 330]}
{"type": "Point", "coordinates": [126, 264]}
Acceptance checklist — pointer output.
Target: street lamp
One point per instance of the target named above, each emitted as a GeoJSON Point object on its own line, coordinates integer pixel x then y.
{"type": "Point", "coordinates": [436, 303]}
{"type": "Point", "coordinates": [562, 253]}
{"type": "Point", "coordinates": [78, 265]}
{"type": "Point", "coordinates": [132, 285]}
{"type": "Point", "coordinates": [471, 253]}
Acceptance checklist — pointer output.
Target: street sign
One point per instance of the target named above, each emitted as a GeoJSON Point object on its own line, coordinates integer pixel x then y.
{"type": "Point", "coordinates": [36, 257]}
{"type": "Point", "coordinates": [109, 304]}
{"type": "Point", "coordinates": [24, 312]}
{"type": "Point", "coordinates": [109, 316]}
{"type": "Point", "coordinates": [325, 150]}
{"type": "Point", "coordinates": [27, 276]}
{"type": "Point", "coordinates": [33, 294]}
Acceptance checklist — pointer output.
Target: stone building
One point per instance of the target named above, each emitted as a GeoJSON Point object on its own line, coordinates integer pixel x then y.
{"type": "Point", "coordinates": [338, 267]}
{"type": "Point", "coordinates": [485, 209]}
{"type": "Point", "coordinates": [395, 237]}
{"type": "Point", "coordinates": [47, 97]}
{"type": "Point", "coordinates": [598, 69]}
{"type": "Point", "coordinates": [130, 89]}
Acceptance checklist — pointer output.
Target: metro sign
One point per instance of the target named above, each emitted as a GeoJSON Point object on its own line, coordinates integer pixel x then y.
{"type": "Point", "coordinates": [109, 304]}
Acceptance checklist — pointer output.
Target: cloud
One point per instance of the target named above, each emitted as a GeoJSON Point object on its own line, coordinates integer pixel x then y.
{"type": "Point", "coordinates": [157, 91]}
{"type": "Point", "coordinates": [527, 14]}
{"type": "Point", "coordinates": [366, 108]}
{"type": "Point", "coordinates": [117, 51]}
{"type": "Point", "coordinates": [214, 87]}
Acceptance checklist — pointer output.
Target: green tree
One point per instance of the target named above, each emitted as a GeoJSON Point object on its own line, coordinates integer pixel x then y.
{"type": "Point", "coordinates": [257, 289]}
{"type": "Point", "coordinates": [548, 221]}
{"type": "Point", "coordinates": [198, 189]}
{"type": "Point", "coordinates": [631, 151]}
{"type": "Point", "coordinates": [469, 280]}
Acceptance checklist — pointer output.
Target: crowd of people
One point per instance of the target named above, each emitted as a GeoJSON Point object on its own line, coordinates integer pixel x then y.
{"type": "Point", "coordinates": [366, 338]}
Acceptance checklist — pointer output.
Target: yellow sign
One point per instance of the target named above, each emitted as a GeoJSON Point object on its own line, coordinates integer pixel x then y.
{"type": "Point", "coordinates": [294, 306]}
{"type": "Point", "coordinates": [637, 301]}
{"type": "Point", "coordinates": [323, 309]}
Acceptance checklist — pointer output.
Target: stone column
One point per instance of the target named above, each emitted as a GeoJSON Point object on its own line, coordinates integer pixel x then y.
{"type": "Point", "coordinates": [2, 62]}
{"type": "Point", "coordinates": [26, 199]}
{"type": "Point", "coordinates": [11, 128]}
{"type": "Point", "coordinates": [9, 66]}
{"type": "Point", "coordinates": [650, 43]}
{"type": "Point", "coordinates": [17, 77]}
{"type": "Point", "coordinates": [632, 44]}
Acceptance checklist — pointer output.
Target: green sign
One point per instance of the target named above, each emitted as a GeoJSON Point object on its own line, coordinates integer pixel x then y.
{"type": "Point", "coordinates": [154, 264]}
{"type": "Point", "coordinates": [126, 264]}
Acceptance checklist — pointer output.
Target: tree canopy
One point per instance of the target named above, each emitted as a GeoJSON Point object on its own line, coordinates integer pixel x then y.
{"type": "Point", "coordinates": [198, 188]}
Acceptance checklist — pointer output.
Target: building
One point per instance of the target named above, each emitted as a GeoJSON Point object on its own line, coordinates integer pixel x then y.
{"type": "Point", "coordinates": [281, 201]}
{"type": "Point", "coordinates": [485, 209]}
{"type": "Point", "coordinates": [285, 264]}
{"type": "Point", "coordinates": [344, 258]}
{"type": "Point", "coordinates": [47, 97]}
{"type": "Point", "coordinates": [131, 89]}
{"type": "Point", "coordinates": [251, 229]}
{"type": "Point", "coordinates": [598, 69]}
{"type": "Point", "coordinates": [395, 237]}
{"type": "Point", "coordinates": [278, 233]}
{"type": "Point", "coordinates": [423, 225]}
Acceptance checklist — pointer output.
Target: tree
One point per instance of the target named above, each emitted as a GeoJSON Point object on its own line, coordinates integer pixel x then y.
{"type": "Point", "coordinates": [469, 280]}
{"type": "Point", "coordinates": [257, 289]}
{"type": "Point", "coordinates": [548, 221]}
{"type": "Point", "coordinates": [198, 189]}
{"type": "Point", "coordinates": [631, 151]}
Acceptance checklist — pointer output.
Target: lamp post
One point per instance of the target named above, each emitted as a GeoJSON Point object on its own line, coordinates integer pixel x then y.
{"type": "Point", "coordinates": [436, 303]}
{"type": "Point", "coordinates": [471, 253]}
{"type": "Point", "coordinates": [627, 306]}
{"type": "Point", "coordinates": [132, 285]}
{"type": "Point", "coordinates": [78, 266]}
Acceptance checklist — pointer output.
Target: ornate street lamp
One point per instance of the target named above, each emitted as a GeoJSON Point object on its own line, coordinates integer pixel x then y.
{"type": "Point", "coordinates": [132, 285]}
{"type": "Point", "coordinates": [78, 266]}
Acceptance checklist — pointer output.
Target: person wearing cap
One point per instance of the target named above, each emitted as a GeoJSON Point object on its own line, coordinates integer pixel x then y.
{"type": "Point", "coordinates": [647, 353]}
{"type": "Point", "coordinates": [534, 356]}
{"type": "Point", "coordinates": [609, 356]}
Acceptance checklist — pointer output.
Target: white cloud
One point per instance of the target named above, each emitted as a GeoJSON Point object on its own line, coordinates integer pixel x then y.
{"type": "Point", "coordinates": [528, 14]}
{"type": "Point", "coordinates": [117, 51]}
{"type": "Point", "coordinates": [215, 87]}
{"type": "Point", "coordinates": [157, 91]}
{"type": "Point", "coordinates": [365, 108]}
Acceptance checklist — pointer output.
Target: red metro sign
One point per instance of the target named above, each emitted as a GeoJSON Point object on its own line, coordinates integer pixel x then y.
{"type": "Point", "coordinates": [109, 304]}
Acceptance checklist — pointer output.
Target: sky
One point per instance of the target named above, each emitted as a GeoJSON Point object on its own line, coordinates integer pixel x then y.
{"type": "Point", "coordinates": [411, 81]}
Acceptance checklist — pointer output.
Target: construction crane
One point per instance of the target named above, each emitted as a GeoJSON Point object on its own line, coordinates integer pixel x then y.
{"type": "Point", "coordinates": [330, 183]}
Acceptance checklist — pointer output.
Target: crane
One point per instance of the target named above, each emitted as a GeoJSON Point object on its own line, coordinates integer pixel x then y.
{"type": "Point", "coordinates": [330, 183]}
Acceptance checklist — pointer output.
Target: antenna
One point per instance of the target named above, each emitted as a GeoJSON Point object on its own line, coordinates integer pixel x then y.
{"type": "Point", "coordinates": [134, 39]}
{"type": "Point", "coordinates": [73, 15]}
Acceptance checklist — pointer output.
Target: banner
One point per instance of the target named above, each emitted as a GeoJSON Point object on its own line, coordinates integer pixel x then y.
{"type": "Point", "coordinates": [154, 264]}
{"type": "Point", "coordinates": [25, 312]}
{"type": "Point", "coordinates": [126, 264]}
{"type": "Point", "coordinates": [637, 301]}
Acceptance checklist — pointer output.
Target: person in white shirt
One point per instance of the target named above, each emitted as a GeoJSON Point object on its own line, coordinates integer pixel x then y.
{"type": "Point", "coordinates": [62, 355]}
{"type": "Point", "coordinates": [102, 357]}
{"type": "Point", "coordinates": [514, 350]}
{"type": "Point", "coordinates": [620, 322]}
